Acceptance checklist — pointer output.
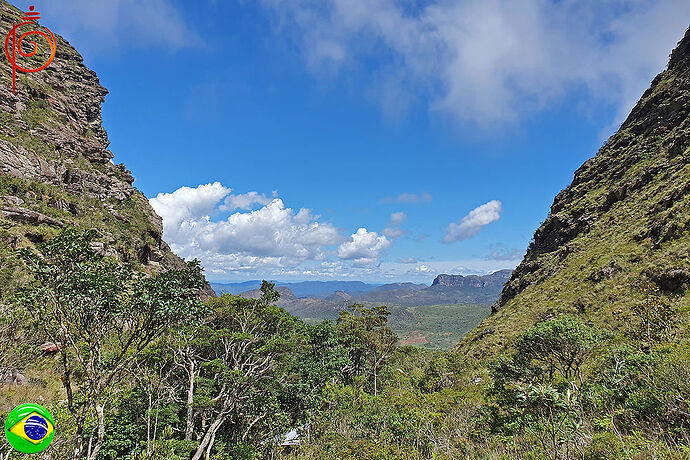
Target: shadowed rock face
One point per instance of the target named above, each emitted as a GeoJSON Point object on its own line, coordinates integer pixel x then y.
{"type": "Point", "coordinates": [623, 219]}
{"type": "Point", "coordinates": [54, 159]}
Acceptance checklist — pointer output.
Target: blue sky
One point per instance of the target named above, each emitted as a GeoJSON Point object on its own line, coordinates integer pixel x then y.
{"type": "Point", "coordinates": [379, 140]}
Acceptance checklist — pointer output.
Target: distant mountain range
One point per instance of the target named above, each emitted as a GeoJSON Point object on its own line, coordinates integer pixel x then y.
{"type": "Point", "coordinates": [318, 289]}
{"type": "Point", "coordinates": [317, 300]}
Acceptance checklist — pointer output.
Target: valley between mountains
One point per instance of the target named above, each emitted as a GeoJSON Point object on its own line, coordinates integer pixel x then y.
{"type": "Point", "coordinates": [435, 316]}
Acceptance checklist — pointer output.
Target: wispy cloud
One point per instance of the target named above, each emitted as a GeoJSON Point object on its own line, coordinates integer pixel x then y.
{"type": "Point", "coordinates": [474, 221]}
{"type": "Point", "coordinates": [408, 260]}
{"type": "Point", "coordinates": [109, 25]}
{"type": "Point", "coordinates": [408, 198]}
{"type": "Point", "coordinates": [505, 254]}
{"type": "Point", "coordinates": [488, 60]}
{"type": "Point", "coordinates": [425, 271]}
{"type": "Point", "coordinates": [393, 229]}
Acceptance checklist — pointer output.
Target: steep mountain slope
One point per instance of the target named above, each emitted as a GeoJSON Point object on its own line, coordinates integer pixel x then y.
{"type": "Point", "coordinates": [55, 166]}
{"type": "Point", "coordinates": [625, 217]}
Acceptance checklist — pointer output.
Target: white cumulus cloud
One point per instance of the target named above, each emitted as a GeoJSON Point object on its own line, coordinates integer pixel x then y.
{"type": "Point", "coordinates": [364, 247]}
{"type": "Point", "coordinates": [244, 201]}
{"type": "Point", "coordinates": [273, 239]}
{"type": "Point", "coordinates": [474, 221]}
{"type": "Point", "coordinates": [422, 269]}
{"type": "Point", "coordinates": [188, 203]}
{"type": "Point", "coordinates": [271, 236]}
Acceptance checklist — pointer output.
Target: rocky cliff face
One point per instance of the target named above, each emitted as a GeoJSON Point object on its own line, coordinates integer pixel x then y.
{"type": "Point", "coordinates": [55, 166]}
{"type": "Point", "coordinates": [496, 279]}
{"type": "Point", "coordinates": [624, 218]}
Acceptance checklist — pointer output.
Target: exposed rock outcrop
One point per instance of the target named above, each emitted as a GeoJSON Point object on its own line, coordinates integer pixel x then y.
{"type": "Point", "coordinates": [28, 217]}
{"type": "Point", "coordinates": [55, 166]}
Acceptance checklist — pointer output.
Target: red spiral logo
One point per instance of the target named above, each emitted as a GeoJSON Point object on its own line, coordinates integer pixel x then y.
{"type": "Point", "coordinates": [16, 47]}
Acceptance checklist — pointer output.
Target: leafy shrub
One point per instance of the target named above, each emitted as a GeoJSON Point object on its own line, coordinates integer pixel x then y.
{"type": "Point", "coordinates": [605, 446]}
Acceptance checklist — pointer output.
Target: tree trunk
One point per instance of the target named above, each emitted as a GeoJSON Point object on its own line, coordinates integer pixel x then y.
{"type": "Point", "coordinates": [210, 446]}
{"type": "Point", "coordinates": [100, 409]}
{"type": "Point", "coordinates": [155, 433]}
{"type": "Point", "coordinates": [206, 442]}
{"type": "Point", "coordinates": [149, 444]}
{"type": "Point", "coordinates": [190, 403]}
{"type": "Point", "coordinates": [79, 446]}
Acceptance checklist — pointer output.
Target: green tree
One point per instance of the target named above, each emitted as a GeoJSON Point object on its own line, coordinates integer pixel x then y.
{"type": "Point", "coordinates": [647, 390]}
{"type": "Point", "coordinates": [656, 319]}
{"type": "Point", "coordinates": [368, 338]}
{"type": "Point", "coordinates": [187, 345]}
{"type": "Point", "coordinates": [103, 314]}
{"type": "Point", "coordinates": [246, 361]}
{"type": "Point", "coordinates": [553, 417]}
{"type": "Point", "coordinates": [320, 360]}
{"type": "Point", "coordinates": [557, 348]}
{"type": "Point", "coordinates": [537, 388]}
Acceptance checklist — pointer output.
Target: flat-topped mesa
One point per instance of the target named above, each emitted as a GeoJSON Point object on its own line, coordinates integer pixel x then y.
{"type": "Point", "coordinates": [54, 159]}
{"type": "Point", "coordinates": [495, 279]}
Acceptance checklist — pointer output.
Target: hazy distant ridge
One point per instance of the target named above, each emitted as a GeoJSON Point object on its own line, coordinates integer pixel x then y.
{"type": "Point", "coordinates": [323, 299]}
{"type": "Point", "coordinates": [319, 289]}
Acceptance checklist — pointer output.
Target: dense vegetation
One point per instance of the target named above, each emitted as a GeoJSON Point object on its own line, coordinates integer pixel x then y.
{"type": "Point", "coordinates": [145, 370]}
{"type": "Point", "coordinates": [436, 327]}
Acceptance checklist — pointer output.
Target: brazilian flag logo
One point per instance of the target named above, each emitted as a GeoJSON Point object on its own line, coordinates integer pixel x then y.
{"type": "Point", "coordinates": [29, 428]}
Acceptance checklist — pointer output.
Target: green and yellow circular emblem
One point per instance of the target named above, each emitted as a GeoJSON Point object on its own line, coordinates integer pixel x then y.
{"type": "Point", "coordinates": [29, 428]}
